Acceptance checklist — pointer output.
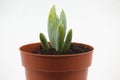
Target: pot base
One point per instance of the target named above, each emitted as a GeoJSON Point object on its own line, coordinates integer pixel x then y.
{"type": "Point", "coordinates": [72, 75]}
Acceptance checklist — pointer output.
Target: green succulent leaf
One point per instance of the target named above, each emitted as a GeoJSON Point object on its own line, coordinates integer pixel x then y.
{"type": "Point", "coordinates": [53, 21]}
{"type": "Point", "coordinates": [60, 37]}
{"type": "Point", "coordinates": [57, 32]}
{"type": "Point", "coordinates": [67, 41]}
{"type": "Point", "coordinates": [44, 42]}
{"type": "Point", "coordinates": [63, 20]}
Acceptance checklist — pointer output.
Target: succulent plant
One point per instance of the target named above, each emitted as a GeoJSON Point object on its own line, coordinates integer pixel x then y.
{"type": "Point", "coordinates": [57, 32]}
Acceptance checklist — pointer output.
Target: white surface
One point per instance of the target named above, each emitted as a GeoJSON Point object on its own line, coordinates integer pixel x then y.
{"type": "Point", "coordinates": [95, 22]}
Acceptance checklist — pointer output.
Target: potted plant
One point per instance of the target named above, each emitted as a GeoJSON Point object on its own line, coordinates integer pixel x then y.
{"type": "Point", "coordinates": [59, 59]}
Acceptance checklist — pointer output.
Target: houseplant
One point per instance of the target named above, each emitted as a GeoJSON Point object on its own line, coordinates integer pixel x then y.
{"type": "Point", "coordinates": [59, 59]}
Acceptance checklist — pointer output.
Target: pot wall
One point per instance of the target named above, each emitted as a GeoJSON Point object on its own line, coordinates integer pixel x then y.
{"type": "Point", "coordinates": [55, 67]}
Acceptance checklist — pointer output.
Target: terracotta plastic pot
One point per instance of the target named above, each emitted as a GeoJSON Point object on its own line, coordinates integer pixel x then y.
{"type": "Point", "coordinates": [55, 67]}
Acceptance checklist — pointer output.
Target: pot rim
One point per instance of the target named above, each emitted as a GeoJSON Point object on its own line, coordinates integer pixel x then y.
{"type": "Point", "coordinates": [61, 55]}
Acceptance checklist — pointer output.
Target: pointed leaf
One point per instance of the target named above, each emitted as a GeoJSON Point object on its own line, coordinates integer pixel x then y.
{"type": "Point", "coordinates": [63, 19]}
{"type": "Point", "coordinates": [67, 41]}
{"type": "Point", "coordinates": [44, 42]}
{"type": "Point", "coordinates": [60, 37]}
{"type": "Point", "coordinates": [52, 26]}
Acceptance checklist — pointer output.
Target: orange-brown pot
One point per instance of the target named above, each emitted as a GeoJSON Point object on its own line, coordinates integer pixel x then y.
{"type": "Point", "coordinates": [55, 67]}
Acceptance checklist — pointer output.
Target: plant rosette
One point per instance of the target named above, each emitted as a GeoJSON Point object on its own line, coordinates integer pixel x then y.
{"type": "Point", "coordinates": [59, 59]}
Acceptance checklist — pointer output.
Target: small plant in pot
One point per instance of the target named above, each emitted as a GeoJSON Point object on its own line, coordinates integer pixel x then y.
{"type": "Point", "coordinates": [59, 59]}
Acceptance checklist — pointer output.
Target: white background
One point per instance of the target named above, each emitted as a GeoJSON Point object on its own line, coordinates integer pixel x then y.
{"type": "Point", "coordinates": [94, 22]}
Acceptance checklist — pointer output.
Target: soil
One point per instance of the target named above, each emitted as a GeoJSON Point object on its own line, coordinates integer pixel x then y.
{"type": "Point", "coordinates": [74, 49]}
